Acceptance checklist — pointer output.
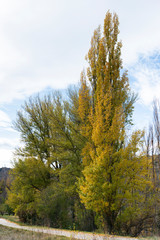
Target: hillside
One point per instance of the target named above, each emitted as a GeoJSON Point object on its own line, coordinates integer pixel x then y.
{"type": "Point", "coordinates": [4, 181]}
{"type": "Point", "coordinates": [4, 173]}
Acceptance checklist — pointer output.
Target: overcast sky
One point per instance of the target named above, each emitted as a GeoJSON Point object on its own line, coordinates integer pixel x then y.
{"type": "Point", "coordinates": [43, 44]}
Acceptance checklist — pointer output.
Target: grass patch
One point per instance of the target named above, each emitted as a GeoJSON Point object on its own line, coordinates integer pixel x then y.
{"type": "Point", "coordinates": [7, 233]}
{"type": "Point", "coordinates": [150, 238]}
{"type": "Point", "coordinates": [11, 218]}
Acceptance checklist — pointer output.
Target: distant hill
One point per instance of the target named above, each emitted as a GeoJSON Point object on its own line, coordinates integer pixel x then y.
{"type": "Point", "coordinates": [4, 183]}
{"type": "Point", "coordinates": [4, 173]}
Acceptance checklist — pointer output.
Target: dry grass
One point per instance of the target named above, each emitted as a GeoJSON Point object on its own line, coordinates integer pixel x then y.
{"type": "Point", "coordinates": [12, 218]}
{"type": "Point", "coordinates": [7, 233]}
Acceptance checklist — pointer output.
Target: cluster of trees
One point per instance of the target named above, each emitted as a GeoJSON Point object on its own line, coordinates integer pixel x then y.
{"type": "Point", "coordinates": [78, 167]}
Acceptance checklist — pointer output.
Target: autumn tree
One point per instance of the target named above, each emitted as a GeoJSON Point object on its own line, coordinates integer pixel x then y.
{"type": "Point", "coordinates": [105, 108]}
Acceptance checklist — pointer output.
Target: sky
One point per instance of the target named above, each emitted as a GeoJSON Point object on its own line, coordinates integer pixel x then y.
{"type": "Point", "coordinates": [43, 44]}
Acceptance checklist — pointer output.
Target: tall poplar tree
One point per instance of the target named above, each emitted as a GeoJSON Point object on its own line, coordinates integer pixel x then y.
{"type": "Point", "coordinates": [102, 186]}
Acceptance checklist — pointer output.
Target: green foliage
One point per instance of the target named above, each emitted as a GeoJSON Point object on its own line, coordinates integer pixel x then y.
{"type": "Point", "coordinates": [53, 206]}
{"type": "Point", "coordinates": [46, 168]}
{"type": "Point", "coordinates": [30, 176]}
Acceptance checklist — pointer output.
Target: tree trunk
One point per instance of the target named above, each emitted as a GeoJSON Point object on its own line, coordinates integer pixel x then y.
{"type": "Point", "coordinates": [108, 223]}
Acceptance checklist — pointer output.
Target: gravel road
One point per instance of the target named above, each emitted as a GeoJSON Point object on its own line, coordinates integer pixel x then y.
{"type": "Point", "coordinates": [66, 233]}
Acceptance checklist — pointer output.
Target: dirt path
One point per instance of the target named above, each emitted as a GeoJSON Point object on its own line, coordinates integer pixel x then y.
{"type": "Point", "coordinates": [66, 233]}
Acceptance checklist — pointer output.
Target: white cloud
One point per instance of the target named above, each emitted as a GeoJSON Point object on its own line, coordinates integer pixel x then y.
{"type": "Point", "coordinates": [5, 121]}
{"type": "Point", "coordinates": [6, 157]}
{"type": "Point", "coordinates": [147, 78]}
{"type": "Point", "coordinates": [7, 149]}
{"type": "Point", "coordinates": [9, 142]}
{"type": "Point", "coordinates": [139, 24]}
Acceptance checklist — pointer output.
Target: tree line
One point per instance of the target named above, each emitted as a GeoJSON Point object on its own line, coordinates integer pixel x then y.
{"type": "Point", "coordinates": [79, 167]}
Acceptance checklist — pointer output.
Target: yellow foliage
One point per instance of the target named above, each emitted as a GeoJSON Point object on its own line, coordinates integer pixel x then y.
{"type": "Point", "coordinates": [115, 172]}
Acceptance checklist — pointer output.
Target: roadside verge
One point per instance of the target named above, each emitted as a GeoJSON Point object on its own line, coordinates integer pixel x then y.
{"type": "Point", "coordinates": [66, 233]}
